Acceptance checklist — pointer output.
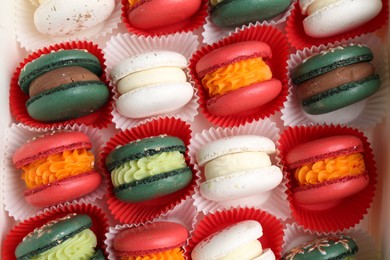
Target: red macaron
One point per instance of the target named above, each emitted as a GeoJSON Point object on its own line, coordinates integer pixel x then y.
{"type": "Point", "coordinates": [237, 78]}
{"type": "Point", "coordinates": [159, 239]}
{"type": "Point", "coordinates": [327, 170]}
{"type": "Point", "coordinates": [57, 167]}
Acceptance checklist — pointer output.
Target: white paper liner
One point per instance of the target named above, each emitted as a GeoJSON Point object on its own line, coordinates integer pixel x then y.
{"type": "Point", "coordinates": [13, 186]}
{"type": "Point", "coordinates": [31, 39]}
{"type": "Point", "coordinates": [122, 46]}
{"type": "Point", "coordinates": [295, 235]}
{"type": "Point", "coordinates": [364, 114]}
{"type": "Point", "coordinates": [213, 33]}
{"type": "Point", "coordinates": [184, 214]}
{"type": "Point", "coordinates": [276, 204]}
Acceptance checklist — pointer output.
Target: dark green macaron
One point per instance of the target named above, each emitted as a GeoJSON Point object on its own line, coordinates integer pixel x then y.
{"type": "Point", "coordinates": [232, 13]}
{"type": "Point", "coordinates": [52, 234]}
{"type": "Point", "coordinates": [155, 185]}
{"type": "Point", "coordinates": [335, 78]}
{"type": "Point", "coordinates": [63, 85]}
{"type": "Point", "coordinates": [329, 248]}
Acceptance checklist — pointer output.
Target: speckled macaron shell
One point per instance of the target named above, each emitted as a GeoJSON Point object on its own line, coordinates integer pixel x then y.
{"type": "Point", "coordinates": [332, 247]}
{"type": "Point", "coordinates": [231, 53]}
{"type": "Point", "coordinates": [51, 234]}
{"type": "Point", "coordinates": [150, 238]}
{"type": "Point", "coordinates": [60, 18]}
{"type": "Point", "coordinates": [45, 145]}
{"type": "Point", "coordinates": [227, 240]}
{"type": "Point", "coordinates": [231, 13]}
{"type": "Point", "coordinates": [234, 144]}
{"type": "Point", "coordinates": [147, 60]}
{"type": "Point", "coordinates": [174, 14]}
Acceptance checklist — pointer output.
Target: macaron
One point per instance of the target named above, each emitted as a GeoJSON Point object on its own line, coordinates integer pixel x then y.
{"type": "Point", "coordinates": [335, 78]}
{"type": "Point", "coordinates": [151, 83]}
{"type": "Point", "coordinates": [238, 166]}
{"type": "Point", "coordinates": [237, 78]}
{"type": "Point", "coordinates": [157, 240]}
{"type": "Point", "coordinates": [63, 85]}
{"type": "Point", "coordinates": [329, 248]}
{"type": "Point", "coordinates": [326, 171]}
{"type": "Point", "coordinates": [238, 241]}
{"type": "Point", "coordinates": [148, 168]}
{"type": "Point", "coordinates": [232, 13]}
{"type": "Point", "coordinates": [57, 167]}
{"type": "Point", "coordinates": [328, 18]}
{"type": "Point", "coordinates": [69, 237]}
{"type": "Point", "coordinates": [173, 15]}
{"type": "Point", "coordinates": [62, 18]}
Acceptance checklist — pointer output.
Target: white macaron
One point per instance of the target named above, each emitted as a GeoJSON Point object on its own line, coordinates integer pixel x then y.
{"type": "Point", "coordinates": [60, 18]}
{"type": "Point", "coordinates": [238, 166]}
{"type": "Point", "coordinates": [238, 241]}
{"type": "Point", "coordinates": [151, 84]}
{"type": "Point", "coordinates": [327, 18]}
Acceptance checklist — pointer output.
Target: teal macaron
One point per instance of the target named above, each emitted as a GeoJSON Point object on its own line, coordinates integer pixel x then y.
{"type": "Point", "coordinates": [148, 168]}
{"type": "Point", "coordinates": [335, 78]}
{"type": "Point", "coordinates": [56, 236]}
{"type": "Point", "coordinates": [63, 85]}
{"type": "Point", "coordinates": [232, 13]}
{"type": "Point", "coordinates": [329, 248]}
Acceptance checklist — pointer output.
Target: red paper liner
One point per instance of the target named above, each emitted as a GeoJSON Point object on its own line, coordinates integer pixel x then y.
{"type": "Point", "coordinates": [17, 98]}
{"type": "Point", "coordinates": [141, 212]}
{"type": "Point", "coordinates": [195, 22]}
{"type": "Point", "coordinates": [278, 64]}
{"type": "Point", "coordinates": [17, 233]}
{"type": "Point", "coordinates": [350, 210]}
{"type": "Point", "coordinates": [272, 227]}
{"type": "Point", "coordinates": [297, 37]}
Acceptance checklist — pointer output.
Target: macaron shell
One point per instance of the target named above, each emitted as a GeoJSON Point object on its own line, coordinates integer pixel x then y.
{"type": "Point", "coordinates": [332, 20]}
{"type": "Point", "coordinates": [323, 148]}
{"type": "Point", "coordinates": [63, 190]}
{"type": "Point", "coordinates": [43, 146]}
{"type": "Point", "coordinates": [342, 96]}
{"type": "Point", "coordinates": [147, 60]}
{"type": "Point", "coordinates": [148, 238]}
{"type": "Point", "coordinates": [154, 99]}
{"type": "Point", "coordinates": [268, 254]}
{"type": "Point", "coordinates": [244, 99]}
{"type": "Point", "coordinates": [241, 184]}
{"type": "Point", "coordinates": [155, 187]}
{"type": "Point", "coordinates": [227, 240]}
{"type": "Point", "coordinates": [58, 59]}
{"type": "Point", "coordinates": [68, 102]}
{"type": "Point", "coordinates": [231, 13]}
{"type": "Point", "coordinates": [233, 144]}
{"type": "Point", "coordinates": [231, 53]}
{"type": "Point", "coordinates": [327, 194]}
{"type": "Point", "coordinates": [51, 234]}
{"type": "Point", "coordinates": [60, 18]}
{"type": "Point", "coordinates": [173, 11]}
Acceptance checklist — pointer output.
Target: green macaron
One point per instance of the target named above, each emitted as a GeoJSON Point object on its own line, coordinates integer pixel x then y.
{"type": "Point", "coordinates": [335, 78]}
{"type": "Point", "coordinates": [231, 13]}
{"type": "Point", "coordinates": [148, 168]}
{"type": "Point", "coordinates": [63, 85]}
{"type": "Point", "coordinates": [329, 248]}
{"type": "Point", "coordinates": [56, 236]}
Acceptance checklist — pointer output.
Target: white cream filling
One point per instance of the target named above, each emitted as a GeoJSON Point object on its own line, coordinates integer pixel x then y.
{"type": "Point", "coordinates": [232, 163]}
{"type": "Point", "coordinates": [249, 251]}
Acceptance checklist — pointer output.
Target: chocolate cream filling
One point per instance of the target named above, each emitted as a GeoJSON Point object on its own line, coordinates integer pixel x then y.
{"type": "Point", "coordinates": [335, 78]}
{"type": "Point", "coordinates": [58, 77]}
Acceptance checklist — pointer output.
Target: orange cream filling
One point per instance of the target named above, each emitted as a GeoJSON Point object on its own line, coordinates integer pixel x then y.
{"type": "Point", "coordinates": [133, 2]}
{"type": "Point", "coordinates": [331, 168]}
{"type": "Point", "coordinates": [56, 167]}
{"type": "Point", "coordinates": [235, 76]}
{"type": "Point", "coordinates": [173, 254]}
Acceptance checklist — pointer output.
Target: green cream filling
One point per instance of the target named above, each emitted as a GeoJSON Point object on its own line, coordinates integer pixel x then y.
{"type": "Point", "coordinates": [145, 167]}
{"type": "Point", "coordinates": [81, 246]}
